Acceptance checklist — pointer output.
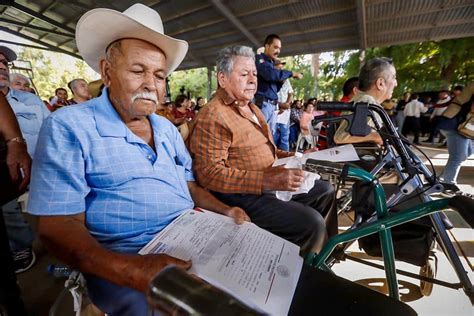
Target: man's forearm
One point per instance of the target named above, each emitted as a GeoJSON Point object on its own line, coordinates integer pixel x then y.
{"type": "Point", "coordinates": [9, 127]}
{"type": "Point", "coordinates": [71, 242]}
{"type": "Point", "coordinates": [206, 200]}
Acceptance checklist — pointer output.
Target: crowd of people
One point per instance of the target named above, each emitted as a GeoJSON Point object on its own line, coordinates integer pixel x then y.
{"type": "Point", "coordinates": [108, 173]}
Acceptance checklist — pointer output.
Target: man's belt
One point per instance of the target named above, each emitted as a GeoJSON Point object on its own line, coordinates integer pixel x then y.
{"type": "Point", "coordinates": [260, 99]}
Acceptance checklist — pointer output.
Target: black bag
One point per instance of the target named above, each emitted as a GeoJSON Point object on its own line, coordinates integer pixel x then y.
{"type": "Point", "coordinates": [412, 241]}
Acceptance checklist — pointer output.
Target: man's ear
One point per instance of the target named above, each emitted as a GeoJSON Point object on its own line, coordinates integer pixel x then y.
{"type": "Point", "coordinates": [221, 78]}
{"type": "Point", "coordinates": [380, 83]}
{"type": "Point", "coordinates": [105, 72]}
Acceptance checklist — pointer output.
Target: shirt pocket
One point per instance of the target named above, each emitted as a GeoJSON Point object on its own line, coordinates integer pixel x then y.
{"type": "Point", "coordinates": [28, 122]}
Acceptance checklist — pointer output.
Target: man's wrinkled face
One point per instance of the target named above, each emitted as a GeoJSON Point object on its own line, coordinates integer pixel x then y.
{"type": "Point", "coordinates": [390, 82]}
{"type": "Point", "coordinates": [81, 89]}
{"type": "Point", "coordinates": [20, 84]}
{"type": "Point", "coordinates": [4, 72]}
{"type": "Point", "coordinates": [273, 50]}
{"type": "Point", "coordinates": [136, 78]}
{"type": "Point", "coordinates": [241, 83]}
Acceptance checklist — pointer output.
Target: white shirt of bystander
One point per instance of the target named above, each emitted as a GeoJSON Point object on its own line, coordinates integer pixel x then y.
{"type": "Point", "coordinates": [414, 108]}
{"type": "Point", "coordinates": [286, 89]}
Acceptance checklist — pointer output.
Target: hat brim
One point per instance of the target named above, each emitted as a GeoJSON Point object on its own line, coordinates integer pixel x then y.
{"type": "Point", "coordinates": [99, 27]}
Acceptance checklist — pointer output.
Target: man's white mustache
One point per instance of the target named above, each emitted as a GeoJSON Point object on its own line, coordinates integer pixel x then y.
{"type": "Point", "coordinates": [145, 95]}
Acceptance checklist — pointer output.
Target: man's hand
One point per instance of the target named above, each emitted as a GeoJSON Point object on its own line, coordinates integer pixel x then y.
{"type": "Point", "coordinates": [297, 75]}
{"type": "Point", "coordinates": [18, 158]}
{"type": "Point", "coordinates": [282, 179]}
{"type": "Point", "coordinates": [148, 266]}
{"type": "Point", "coordinates": [237, 214]}
{"type": "Point", "coordinates": [311, 150]}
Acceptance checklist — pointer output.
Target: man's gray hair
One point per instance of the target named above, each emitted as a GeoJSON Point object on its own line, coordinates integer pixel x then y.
{"type": "Point", "coordinates": [17, 76]}
{"type": "Point", "coordinates": [225, 58]}
{"type": "Point", "coordinates": [73, 83]}
{"type": "Point", "coordinates": [372, 70]}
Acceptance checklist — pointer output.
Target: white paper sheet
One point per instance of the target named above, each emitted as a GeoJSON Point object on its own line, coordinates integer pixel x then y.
{"type": "Point", "coordinates": [335, 154]}
{"type": "Point", "coordinates": [255, 266]}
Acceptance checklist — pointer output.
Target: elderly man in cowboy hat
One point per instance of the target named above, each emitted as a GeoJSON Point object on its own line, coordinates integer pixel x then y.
{"type": "Point", "coordinates": [110, 174]}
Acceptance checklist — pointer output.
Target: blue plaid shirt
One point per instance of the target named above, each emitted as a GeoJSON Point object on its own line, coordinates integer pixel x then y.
{"type": "Point", "coordinates": [87, 160]}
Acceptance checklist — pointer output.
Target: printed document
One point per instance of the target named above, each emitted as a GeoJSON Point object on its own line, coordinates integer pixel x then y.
{"type": "Point", "coordinates": [334, 154]}
{"type": "Point", "coordinates": [252, 264]}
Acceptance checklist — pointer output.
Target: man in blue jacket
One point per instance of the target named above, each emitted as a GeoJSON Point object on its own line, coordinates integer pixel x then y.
{"type": "Point", "coordinates": [270, 79]}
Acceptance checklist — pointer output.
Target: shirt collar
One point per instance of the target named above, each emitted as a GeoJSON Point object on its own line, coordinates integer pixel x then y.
{"type": "Point", "coordinates": [108, 120]}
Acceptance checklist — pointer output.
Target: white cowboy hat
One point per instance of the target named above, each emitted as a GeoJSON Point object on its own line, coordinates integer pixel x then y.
{"type": "Point", "coordinates": [98, 28]}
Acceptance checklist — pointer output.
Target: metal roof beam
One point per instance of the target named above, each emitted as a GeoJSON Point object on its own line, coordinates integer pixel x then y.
{"type": "Point", "coordinates": [362, 23]}
{"type": "Point", "coordinates": [33, 27]}
{"type": "Point", "coordinates": [32, 39]}
{"type": "Point", "coordinates": [42, 17]}
{"type": "Point", "coordinates": [24, 45]}
{"type": "Point", "coordinates": [233, 19]}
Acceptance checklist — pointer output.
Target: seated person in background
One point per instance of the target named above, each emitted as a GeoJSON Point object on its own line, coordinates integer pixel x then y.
{"type": "Point", "coordinates": [305, 121]}
{"type": "Point", "coordinates": [20, 82]}
{"type": "Point", "coordinates": [182, 108]}
{"type": "Point", "coordinates": [377, 79]}
{"type": "Point", "coordinates": [80, 91]}
{"type": "Point", "coordinates": [182, 115]}
{"type": "Point", "coordinates": [121, 173]}
{"type": "Point", "coordinates": [60, 98]}
{"type": "Point", "coordinates": [349, 90]}
{"type": "Point", "coordinates": [233, 153]}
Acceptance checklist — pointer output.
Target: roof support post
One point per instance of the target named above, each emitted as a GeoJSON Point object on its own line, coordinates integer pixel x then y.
{"type": "Point", "coordinates": [362, 22]}
{"type": "Point", "coordinates": [209, 83]}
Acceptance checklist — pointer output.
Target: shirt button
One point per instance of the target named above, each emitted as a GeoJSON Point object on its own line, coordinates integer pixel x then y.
{"type": "Point", "coordinates": [149, 157]}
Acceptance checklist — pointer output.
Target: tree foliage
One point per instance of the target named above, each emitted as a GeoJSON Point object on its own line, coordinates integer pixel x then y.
{"type": "Point", "coordinates": [424, 66]}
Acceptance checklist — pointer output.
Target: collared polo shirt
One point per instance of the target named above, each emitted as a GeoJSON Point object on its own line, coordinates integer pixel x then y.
{"type": "Point", "coordinates": [89, 161]}
{"type": "Point", "coordinates": [30, 112]}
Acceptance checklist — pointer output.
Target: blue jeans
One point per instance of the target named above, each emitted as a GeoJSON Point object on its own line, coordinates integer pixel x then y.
{"type": "Point", "coordinates": [116, 300]}
{"type": "Point", "coordinates": [20, 234]}
{"type": "Point", "coordinates": [281, 136]}
{"type": "Point", "coordinates": [268, 110]}
{"type": "Point", "coordinates": [459, 149]}
{"type": "Point", "coordinates": [294, 131]}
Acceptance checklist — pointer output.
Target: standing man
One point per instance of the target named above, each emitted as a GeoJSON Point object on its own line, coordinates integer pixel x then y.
{"type": "Point", "coordinates": [270, 79]}
{"type": "Point", "coordinates": [412, 112]}
{"type": "Point", "coordinates": [80, 91]}
{"type": "Point", "coordinates": [30, 113]}
{"type": "Point", "coordinates": [285, 98]}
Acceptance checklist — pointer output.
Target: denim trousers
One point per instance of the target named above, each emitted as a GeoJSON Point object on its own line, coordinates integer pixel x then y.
{"type": "Point", "coordinates": [268, 110]}
{"type": "Point", "coordinates": [117, 300]}
{"type": "Point", "coordinates": [281, 136]}
{"type": "Point", "coordinates": [19, 232]}
{"type": "Point", "coordinates": [459, 149]}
